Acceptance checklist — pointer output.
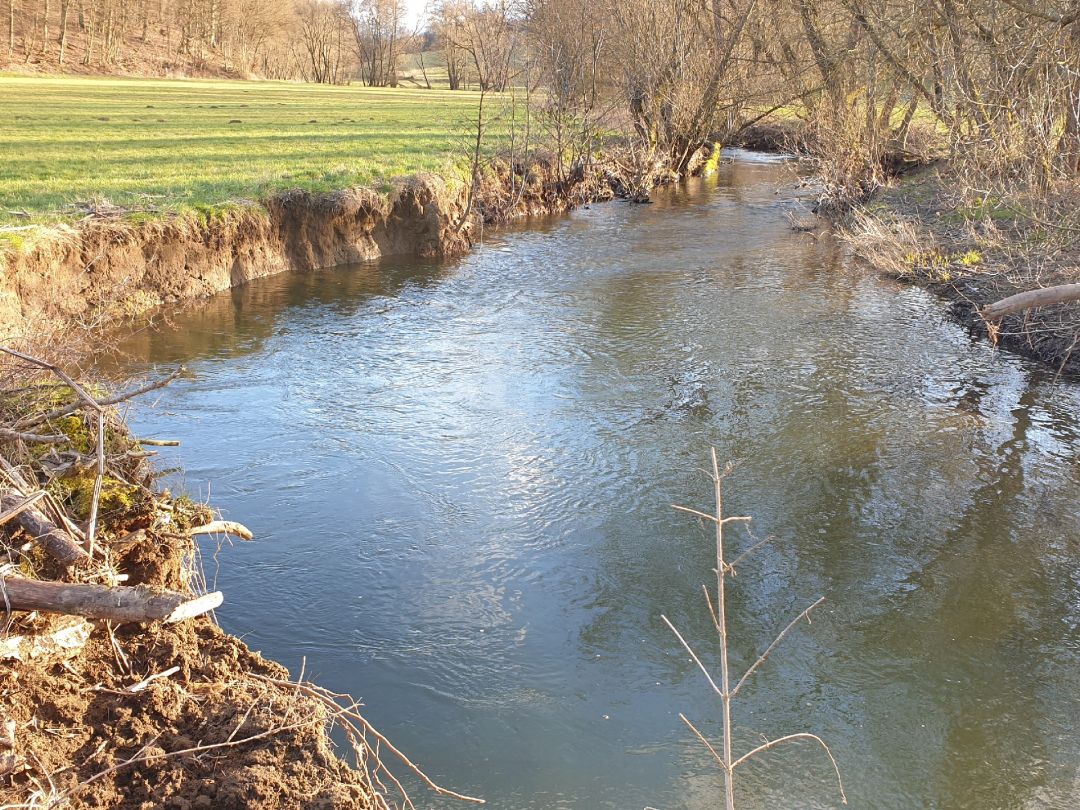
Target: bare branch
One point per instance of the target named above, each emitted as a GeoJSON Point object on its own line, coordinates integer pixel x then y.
{"type": "Point", "coordinates": [802, 735]}
{"type": "Point", "coordinates": [761, 659]}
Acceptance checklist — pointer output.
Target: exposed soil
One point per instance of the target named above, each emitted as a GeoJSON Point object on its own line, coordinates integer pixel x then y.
{"type": "Point", "coordinates": [108, 268]}
{"type": "Point", "coordinates": [74, 720]}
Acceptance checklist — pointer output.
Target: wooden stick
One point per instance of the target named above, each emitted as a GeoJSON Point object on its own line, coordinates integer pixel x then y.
{"type": "Point", "coordinates": [8, 433]}
{"type": "Point", "coordinates": [34, 421]}
{"type": "Point", "coordinates": [22, 506]}
{"type": "Point", "coordinates": [768, 650]}
{"type": "Point", "coordinates": [120, 604]}
{"type": "Point", "coordinates": [57, 543]}
{"type": "Point", "coordinates": [224, 527]}
{"type": "Point", "coordinates": [1060, 294]}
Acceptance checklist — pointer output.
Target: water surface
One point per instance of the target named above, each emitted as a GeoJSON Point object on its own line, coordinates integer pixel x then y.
{"type": "Point", "coordinates": [460, 476]}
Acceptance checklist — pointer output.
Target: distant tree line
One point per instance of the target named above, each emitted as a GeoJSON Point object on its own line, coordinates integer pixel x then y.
{"type": "Point", "coordinates": [323, 41]}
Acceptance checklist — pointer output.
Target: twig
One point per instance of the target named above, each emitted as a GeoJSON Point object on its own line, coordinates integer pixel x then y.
{"type": "Point", "coordinates": [145, 682]}
{"type": "Point", "coordinates": [328, 697]}
{"type": "Point", "coordinates": [693, 655]}
{"type": "Point", "coordinates": [705, 742]}
{"type": "Point", "coordinates": [801, 735]}
{"type": "Point", "coordinates": [761, 658]}
{"type": "Point", "coordinates": [34, 421]}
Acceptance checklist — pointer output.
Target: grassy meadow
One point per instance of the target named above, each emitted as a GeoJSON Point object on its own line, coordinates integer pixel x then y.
{"type": "Point", "coordinates": [153, 146]}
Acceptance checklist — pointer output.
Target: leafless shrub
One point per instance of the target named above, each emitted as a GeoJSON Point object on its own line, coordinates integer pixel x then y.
{"type": "Point", "coordinates": [726, 758]}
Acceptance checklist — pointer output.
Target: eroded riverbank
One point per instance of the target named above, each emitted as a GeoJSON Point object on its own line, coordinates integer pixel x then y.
{"type": "Point", "coordinates": [109, 268]}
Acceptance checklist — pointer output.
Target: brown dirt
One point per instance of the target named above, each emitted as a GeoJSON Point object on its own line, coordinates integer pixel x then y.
{"type": "Point", "coordinates": [108, 268]}
{"type": "Point", "coordinates": [75, 720]}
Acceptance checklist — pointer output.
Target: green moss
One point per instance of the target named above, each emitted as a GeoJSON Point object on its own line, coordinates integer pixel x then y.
{"type": "Point", "coordinates": [188, 513]}
{"type": "Point", "coordinates": [713, 163]}
{"type": "Point", "coordinates": [77, 491]}
{"type": "Point", "coordinates": [75, 428]}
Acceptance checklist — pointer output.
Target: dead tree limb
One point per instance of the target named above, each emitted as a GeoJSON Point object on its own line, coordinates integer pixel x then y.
{"type": "Point", "coordinates": [56, 542]}
{"type": "Point", "coordinates": [8, 433]}
{"type": "Point", "coordinates": [1060, 294]}
{"type": "Point", "coordinates": [118, 604]}
{"type": "Point", "coordinates": [34, 421]}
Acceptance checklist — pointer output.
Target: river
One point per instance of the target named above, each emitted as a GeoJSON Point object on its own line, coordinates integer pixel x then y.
{"type": "Point", "coordinates": [460, 476]}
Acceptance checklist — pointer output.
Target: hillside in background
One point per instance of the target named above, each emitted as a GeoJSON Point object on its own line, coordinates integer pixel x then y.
{"type": "Point", "coordinates": [122, 38]}
{"type": "Point", "coordinates": [321, 41]}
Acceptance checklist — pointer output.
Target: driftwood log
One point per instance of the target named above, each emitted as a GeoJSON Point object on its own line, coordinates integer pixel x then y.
{"type": "Point", "coordinates": [1060, 294]}
{"type": "Point", "coordinates": [118, 604]}
{"type": "Point", "coordinates": [57, 543]}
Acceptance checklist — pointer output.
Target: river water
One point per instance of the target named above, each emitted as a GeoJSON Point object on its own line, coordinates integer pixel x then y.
{"type": "Point", "coordinates": [460, 475]}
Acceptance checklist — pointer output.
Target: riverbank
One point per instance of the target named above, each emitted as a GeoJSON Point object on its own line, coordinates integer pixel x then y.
{"type": "Point", "coordinates": [977, 250]}
{"type": "Point", "coordinates": [140, 707]}
{"type": "Point", "coordinates": [147, 713]}
{"type": "Point", "coordinates": [107, 269]}
{"type": "Point", "coordinates": [930, 227]}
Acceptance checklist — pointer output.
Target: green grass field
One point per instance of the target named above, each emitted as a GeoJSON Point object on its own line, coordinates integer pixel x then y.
{"type": "Point", "coordinates": [162, 145]}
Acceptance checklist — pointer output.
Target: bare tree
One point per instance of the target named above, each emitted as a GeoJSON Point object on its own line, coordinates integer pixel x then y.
{"type": "Point", "coordinates": [378, 30]}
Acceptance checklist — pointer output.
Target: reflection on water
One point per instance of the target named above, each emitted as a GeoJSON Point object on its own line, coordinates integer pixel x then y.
{"type": "Point", "coordinates": [462, 471]}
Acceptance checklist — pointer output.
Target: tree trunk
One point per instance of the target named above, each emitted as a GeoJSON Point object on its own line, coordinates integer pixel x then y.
{"type": "Point", "coordinates": [64, 7]}
{"type": "Point", "coordinates": [118, 604]}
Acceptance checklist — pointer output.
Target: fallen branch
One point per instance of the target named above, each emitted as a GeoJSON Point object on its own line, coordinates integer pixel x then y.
{"type": "Point", "coordinates": [224, 527]}
{"type": "Point", "coordinates": [119, 604]}
{"type": "Point", "coordinates": [37, 438]}
{"type": "Point", "coordinates": [1060, 294]}
{"type": "Point", "coordinates": [56, 542]}
{"type": "Point", "coordinates": [34, 421]}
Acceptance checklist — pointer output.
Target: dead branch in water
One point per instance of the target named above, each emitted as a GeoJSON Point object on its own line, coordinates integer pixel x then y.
{"type": "Point", "coordinates": [224, 527]}
{"type": "Point", "coordinates": [727, 761]}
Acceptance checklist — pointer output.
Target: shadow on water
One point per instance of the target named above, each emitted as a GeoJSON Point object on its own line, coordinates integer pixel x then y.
{"type": "Point", "coordinates": [463, 472]}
